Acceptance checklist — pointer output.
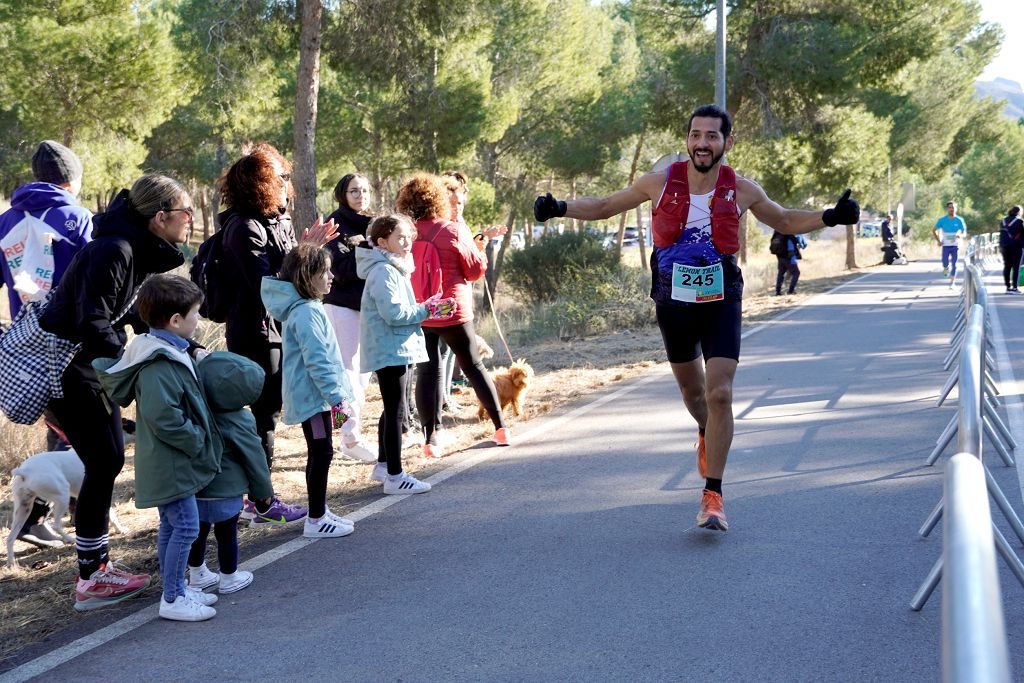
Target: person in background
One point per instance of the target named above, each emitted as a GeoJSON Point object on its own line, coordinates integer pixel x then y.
{"type": "Point", "coordinates": [948, 231]}
{"type": "Point", "coordinates": [1011, 245]}
{"type": "Point", "coordinates": [342, 303]}
{"type": "Point", "coordinates": [53, 199]}
{"type": "Point", "coordinates": [789, 264]}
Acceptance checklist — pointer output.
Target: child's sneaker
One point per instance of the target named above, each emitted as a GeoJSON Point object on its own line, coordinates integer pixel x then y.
{"type": "Point", "coordinates": [502, 437]}
{"type": "Point", "coordinates": [326, 527]}
{"type": "Point", "coordinates": [108, 585]}
{"type": "Point", "coordinates": [200, 597]}
{"type": "Point", "coordinates": [278, 512]}
{"type": "Point", "coordinates": [232, 583]}
{"type": "Point", "coordinates": [339, 519]}
{"type": "Point", "coordinates": [380, 472]}
{"type": "Point", "coordinates": [358, 451]}
{"type": "Point", "coordinates": [404, 483]}
{"type": "Point", "coordinates": [200, 577]}
{"type": "Point", "coordinates": [184, 608]}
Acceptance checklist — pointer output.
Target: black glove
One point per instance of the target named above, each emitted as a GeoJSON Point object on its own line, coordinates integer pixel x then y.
{"type": "Point", "coordinates": [548, 207]}
{"type": "Point", "coordinates": [845, 212]}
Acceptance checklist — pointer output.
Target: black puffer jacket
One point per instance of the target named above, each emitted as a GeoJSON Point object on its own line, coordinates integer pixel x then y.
{"type": "Point", "coordinates": [347, 288]}
{"type": "Point", "coordinates": [102, 279]}
{"type": "Point", "coordinates": [255, 249]}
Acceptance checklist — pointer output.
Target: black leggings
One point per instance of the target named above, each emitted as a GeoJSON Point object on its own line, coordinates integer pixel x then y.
{"type": "Point", "coordinates": [226, 533]}
{"type": "Point", "coordinates": [92, 424]}
{"type": "Point", "coordinates": [320, 451]}
{"type": "Point", "coordinates": [786, 265]}
{"type": "Point", "coordinates": [267, 408]}
{"type": "Point", "coordinates": [1011, 265]}
{"type": "Point", "coordinates": [392, 381]}
{"type": "Point", "coordinates": [429, 394]}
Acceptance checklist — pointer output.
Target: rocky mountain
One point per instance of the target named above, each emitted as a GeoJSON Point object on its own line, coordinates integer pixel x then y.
{"type": "Point", "coordinates": [1004, 89]}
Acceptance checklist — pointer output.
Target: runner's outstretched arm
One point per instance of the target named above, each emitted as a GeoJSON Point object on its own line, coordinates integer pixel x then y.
{"type": "Point", "coordinates": [798, 221]}
{"type": "Point", "coordinates": [595, 208]}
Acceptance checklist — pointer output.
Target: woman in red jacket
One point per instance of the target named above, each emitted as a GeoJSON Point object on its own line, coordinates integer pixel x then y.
{"type": "Point", "coordinates": [425, 199]}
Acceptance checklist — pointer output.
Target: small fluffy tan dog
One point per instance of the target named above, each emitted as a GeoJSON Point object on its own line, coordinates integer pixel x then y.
{"type": "Point", "coordinates": [511, 384]}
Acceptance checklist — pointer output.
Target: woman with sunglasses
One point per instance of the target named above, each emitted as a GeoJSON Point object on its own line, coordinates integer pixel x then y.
{"type": "Point", "coordinates": [137, 236]}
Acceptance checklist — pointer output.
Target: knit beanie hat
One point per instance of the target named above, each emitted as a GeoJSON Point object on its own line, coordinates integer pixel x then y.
{"type": "Point", "coordinates": [55, 163]}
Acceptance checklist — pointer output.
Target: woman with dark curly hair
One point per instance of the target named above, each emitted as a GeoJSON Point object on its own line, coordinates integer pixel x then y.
{"type": "Point", "coordinates": [426, 200]}
{"type": "Point", "coordinates": [257, 235]}
{"type": "Point", "coordinates": [342, 302]}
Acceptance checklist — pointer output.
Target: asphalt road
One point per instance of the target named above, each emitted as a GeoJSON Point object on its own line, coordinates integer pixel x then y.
{"type": "Point", "coordinates": [574, 555]}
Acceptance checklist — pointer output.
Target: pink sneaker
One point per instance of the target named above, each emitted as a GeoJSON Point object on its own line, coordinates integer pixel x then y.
{"type": "Point", "coordinates": [432, 451]}
{"type": "Point", "coordinates": [502, 437]}
{"type": "Point", "coordinates": [108, 585]}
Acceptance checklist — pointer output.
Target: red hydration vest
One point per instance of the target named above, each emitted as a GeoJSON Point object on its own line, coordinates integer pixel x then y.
{"type": "Point", "coordinates": [669, 217]}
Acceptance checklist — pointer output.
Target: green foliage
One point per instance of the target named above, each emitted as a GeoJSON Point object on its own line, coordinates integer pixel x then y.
{"type": "Point", "coordinates": [96, 76]}
{"type": "Point", "coordinates": [991, 179]}
{"type": "Point", "coordinates": [557, 262]}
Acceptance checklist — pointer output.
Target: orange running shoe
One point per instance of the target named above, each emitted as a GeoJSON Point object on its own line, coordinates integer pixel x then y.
{"type": "Point", "coordinates": [712, 512]}
{"type": "Point", "coordinates": [702, 457]}
{"type": "Point", "coordinates": [432, 451]}
{"type": "Point", "coordinates": [501, 437]}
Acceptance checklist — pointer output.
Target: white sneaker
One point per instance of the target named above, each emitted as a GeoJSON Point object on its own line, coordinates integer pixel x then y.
{"type": "Point", "coordinates": [380, 472]}
{"type": "Point", "coordinates": [184, 608]}
{"type": "Point", "coordinates": [325, 527]}
{"type": "Point", "coordinates": [358, 451]}
{"type": "Point", "coordinates": [404, 483]}
{"type": "Point", "coordinates": [232, 583]}
{"type": "Point", "coordinates": [200, 597]}
{"type": "Point", "coordinates": [339, 519]}
{"type": "Point", "coordinates": [413, 437]}
{"type": "Point", "coordinates": [444, 439]}
{"type": "Point", "coordinates": [200, 577]}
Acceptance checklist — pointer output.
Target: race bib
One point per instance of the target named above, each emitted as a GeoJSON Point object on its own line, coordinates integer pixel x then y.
{"type": "Point", "coordinates": [697, 285]}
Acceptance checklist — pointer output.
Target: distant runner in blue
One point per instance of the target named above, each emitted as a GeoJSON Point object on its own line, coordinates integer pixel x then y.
{"type": "Point", "coordinates": [948, 231]}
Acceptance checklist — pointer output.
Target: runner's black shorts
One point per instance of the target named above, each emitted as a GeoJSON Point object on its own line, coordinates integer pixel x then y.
{"type": "Point", "coordinates": [711, 329]}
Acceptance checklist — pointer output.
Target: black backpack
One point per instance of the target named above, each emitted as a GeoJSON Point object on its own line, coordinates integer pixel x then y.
{"type": "Point", "coordinates": [207, 271]}
{"type": "Point", "coordinates": [779, 244]}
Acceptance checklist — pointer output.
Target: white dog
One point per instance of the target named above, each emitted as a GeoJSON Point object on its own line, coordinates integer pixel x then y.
{"type": "Point", "coordinates": [54, 476]}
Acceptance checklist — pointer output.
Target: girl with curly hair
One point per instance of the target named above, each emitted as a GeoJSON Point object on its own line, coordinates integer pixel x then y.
{"type": "Point", "coordinates": [426, 200]}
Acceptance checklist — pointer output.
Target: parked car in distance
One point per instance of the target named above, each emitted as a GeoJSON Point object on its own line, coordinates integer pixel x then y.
{"type": "Point", "coordinates": [630, 238]}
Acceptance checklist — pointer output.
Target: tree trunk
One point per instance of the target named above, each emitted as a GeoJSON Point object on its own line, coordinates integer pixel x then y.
{"type": "Point", "coordinates": [222, 157]}
{"type": "Point", "coordinates": [622, 217]}
{"type": "Point", "coordinates": [306, 90]}
{"type": "Point", "coordinates": [851, 250]}
{"type": "Point", "coordinates": [204, 211]}
{"type": "Point", "coordinates": [574, 225]}
{"type": "Point", "coordinates": [640, 236]}
{"type": "Point", "coordinates": [743, 238]}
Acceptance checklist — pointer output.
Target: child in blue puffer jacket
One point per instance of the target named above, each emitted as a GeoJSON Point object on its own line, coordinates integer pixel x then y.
{"type": "Point", "coordinates": [316, 390]}
{"type": "Point", "coordinates": [391, 338]}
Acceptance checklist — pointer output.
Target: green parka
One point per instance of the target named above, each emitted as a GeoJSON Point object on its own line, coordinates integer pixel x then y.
{"type": "Point", "coordinates": [232, 382]}
{"type": "Point", "coordinates": [177, 444]}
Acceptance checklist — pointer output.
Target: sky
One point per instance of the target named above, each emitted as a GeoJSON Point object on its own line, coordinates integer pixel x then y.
{"type": "Point", "coordinates": [1010, 61]}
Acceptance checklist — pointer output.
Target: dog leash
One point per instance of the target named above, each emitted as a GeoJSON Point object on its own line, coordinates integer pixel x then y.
{"type": "Point", "coordinates": [497, 325]}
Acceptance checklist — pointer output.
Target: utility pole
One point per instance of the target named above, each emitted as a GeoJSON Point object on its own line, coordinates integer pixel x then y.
{"type": "Point", "coordinates": [720, 57]}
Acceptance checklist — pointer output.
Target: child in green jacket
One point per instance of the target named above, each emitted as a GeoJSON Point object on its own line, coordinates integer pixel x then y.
{"type": "Point", "coordinates": [231, 382]}
{"type": "Point", "coordinates": [177, 445]}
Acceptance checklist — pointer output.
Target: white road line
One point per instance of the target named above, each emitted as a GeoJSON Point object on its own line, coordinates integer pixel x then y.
{"type": "Point", "coordinates": [52, 660]}
{"type": "Point", "coordinates": [1010, 394]}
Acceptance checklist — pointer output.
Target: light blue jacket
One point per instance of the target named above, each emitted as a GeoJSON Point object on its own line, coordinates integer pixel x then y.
{"type": "Point", "coordinates": [313, 376]}
{"type": "Point", "coordinates": [389, 320]}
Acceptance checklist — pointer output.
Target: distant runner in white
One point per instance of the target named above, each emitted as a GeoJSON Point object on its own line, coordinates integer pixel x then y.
{"type": "Point", "coordinates": [697, 286]}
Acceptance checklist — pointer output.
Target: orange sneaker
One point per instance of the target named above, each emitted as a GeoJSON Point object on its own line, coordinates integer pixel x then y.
{"type": "Point", "coordinates": [501, 437]}
{"type": "Point", "coordinates": [712, 512]}
{"type": "Point", "coordinates": [432, 451]}
{"type": "Point", "coordinates": [702, 457]}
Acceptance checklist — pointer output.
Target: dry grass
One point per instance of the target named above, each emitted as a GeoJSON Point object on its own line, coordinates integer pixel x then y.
{"type": "Point", "coordinates": [35, 599]}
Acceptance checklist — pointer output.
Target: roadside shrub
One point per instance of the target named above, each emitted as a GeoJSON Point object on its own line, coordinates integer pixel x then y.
{"type": "Point", "coordinates": [557, 264]}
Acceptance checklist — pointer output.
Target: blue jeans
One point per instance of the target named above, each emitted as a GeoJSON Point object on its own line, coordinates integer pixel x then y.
{"type": "Point", "coordinates": [179, 527]}
{"type": "Point", "coordinates": [949, 253]}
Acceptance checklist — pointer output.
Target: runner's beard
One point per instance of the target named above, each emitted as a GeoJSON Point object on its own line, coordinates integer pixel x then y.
{"type": "Point", "coordinates": [700, 168]}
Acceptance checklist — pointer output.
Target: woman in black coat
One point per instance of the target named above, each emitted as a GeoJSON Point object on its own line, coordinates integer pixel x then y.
{"type": "Point", "coordinates": [136, 237]}
{"type": "Point", "coordinates": [1011, 245]}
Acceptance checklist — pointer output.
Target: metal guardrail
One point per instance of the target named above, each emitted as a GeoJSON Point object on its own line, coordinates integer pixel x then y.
{"type": "Point", "coordinates": [974, 646]}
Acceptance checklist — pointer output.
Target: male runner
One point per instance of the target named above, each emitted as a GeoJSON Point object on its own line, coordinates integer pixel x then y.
{"type": "Point", "coordinates": [697, 286]}
{"type": "Point", "coordinates": [948, 231]}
